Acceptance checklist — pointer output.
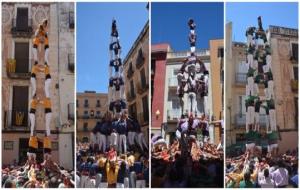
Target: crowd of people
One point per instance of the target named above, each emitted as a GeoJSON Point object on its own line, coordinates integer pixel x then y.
{"type": "Point", "coordinates": [33, 175]}
{"type": "Point", "coordinates": [189, 161]}
{"type": "Point", "coordinates": [116, 155]}
{"type": "Point", "coordinates": [250, 171]}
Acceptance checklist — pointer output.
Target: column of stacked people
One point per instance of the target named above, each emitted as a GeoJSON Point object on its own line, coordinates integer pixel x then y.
{"type": "Point", "coordinates": [40, 37]}
{"type": "Point", "coordinates": [117, 153]}
{"type": "Point", "coordinates": [259, 64]}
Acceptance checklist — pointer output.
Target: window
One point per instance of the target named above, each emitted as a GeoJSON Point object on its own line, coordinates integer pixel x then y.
{"type": "Point", "coordinates": [132, 94]}
{"type": "Point", "coordinates": [98, 103]}
{"type": "Point", "coordinates": [86, 114]}
{"type": "Point", "coordinates": [22, 25]}
{"type": "Point", "coordinates": [22, 19]}
{"type": "Point", "coordinates": [85, 126]}
{"type": "Point", "coordinates": [295, 51]}
{"type": "Point", "coordinates": [143, 78]}
{"type": "Point", "coordinates": [221, 52]}
{"type": "Point", "coordinates": [295, 69]}
{"type": "Point", "coordinates": [71, 62]}
{"type": "Point", "coordinates": [77, 103]}
{"type": "Point", "coordinates": [132, 110]}
{"type": "Point", "coordinates": [175, 72]}
{"type": "Point", "coordinates": [71, 20]}
{"type": "Point", "coordinates": [19, 110]}
{"type": "Point", "coordinates": [22, 57]}
{"type": "Point", "coordinates": [86, 103]}
{"type": "Point", "coordinates": [140, 58]}
{"type": "Point", "coordinates": [145, 109]}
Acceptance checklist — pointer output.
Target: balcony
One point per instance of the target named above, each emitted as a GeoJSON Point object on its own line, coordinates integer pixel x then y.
{"type": "Point", "coordinates": [173, 114]}
{"type": "Point", "coordinates": [71, 111]}
{"type": "Point", "coordinates": [173, 82]}
{"type": "Point", "coordinates": [241, 78]}
{"type": "Point", "coordinates": [140, 59]}
{"type": "Point", "coordinates": [71, 20]}
{"type": "Point", "coordinates": [142, 87]}
{"type": "Point", "coordinates": [240, 120]}
{"type": "Point", "coordinates": [16, 69]}
{"type": "Point", "coordinates": [294, 85]}
{"type": "Point", "coordinates": [130, 96]}
{"type": "Point", "coordinates": [19, 29]}
{"type": "Point", "coordinates": [16, 120]}
{"type": "Point", "coordinates": [71, 62]}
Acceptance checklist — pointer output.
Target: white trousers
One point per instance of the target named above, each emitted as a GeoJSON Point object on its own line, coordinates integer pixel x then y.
{"type": "Point", "coordinates": [122, 144]}
{"type": "Point", "coordinates": [142, 141]}
{"type": "Point", "coordinates": [255, 64]}
{"type": "Point", "coordinates": [268, 123]}
{"type": "Point", "coordinates": [101, 141]}
{"type": "Point", "coordinates": [32, 123]}
{"type": "Point", "coordinates": [46, 56]}
{"type": "Point", "coordinates": [33, 85]}
{"type": "Point", "coordinates": [131, 137]}
{"type": "Point", "coordinates": [270, 89]}
{"type": "Point", "coordinates": [192, 103]}
{"type": "Point", "coordinates": [249, 40]}
{"type": "Point", "coordinates": [47, 87]}
{"type": "Point", "coordinates": [250, 60]}
{"type": "Point", "coordinates": [114, 139]}
{"type": "Point", "coordinates": [255, 89]}
{"type": "Point", "coordinates": [93, 138]}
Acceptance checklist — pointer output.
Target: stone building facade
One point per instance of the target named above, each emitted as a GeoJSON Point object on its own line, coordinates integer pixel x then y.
{"type": "Point", "coordinates": [136, 77]}
{"type": "Point", "coordinates": [20, 20]}
{"type": "Point", "coordinates": [284, 45]}
{"type": "Point", "coordinates": [90, 108]}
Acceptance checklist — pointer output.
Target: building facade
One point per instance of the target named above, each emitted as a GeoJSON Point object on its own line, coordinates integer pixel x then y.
{"type": "Point", "coordinates": [285, 73]}
{"type": "Point", "coordinates": [166, 108]}
{"type": "Point", "coordinates": [158, 73]}
{"type": "Point", "coordinates": [90, 109]}
{"type": "Point", "coordinates": [19, 22]}
{"type": "Point", "coordinates": [136, 76]}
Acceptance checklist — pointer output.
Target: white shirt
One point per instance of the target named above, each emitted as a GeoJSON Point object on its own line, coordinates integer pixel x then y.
{"type": "Point", "coordinates": [265, 182]}
{"type": "Point", "coordinates": [280, 177]}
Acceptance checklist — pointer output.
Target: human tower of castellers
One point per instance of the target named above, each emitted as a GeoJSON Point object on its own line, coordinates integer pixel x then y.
{"type": "Point", "coordinates": [259, 56]}
{"type": "Point", "coordinates": [192, 82]}
{"type": "Point", "coordinates": [40, 38]}
{"type": "Point", "coordinates": [118, 131]}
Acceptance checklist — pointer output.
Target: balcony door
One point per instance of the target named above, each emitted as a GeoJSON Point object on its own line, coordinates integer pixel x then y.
{"type": "Point", "coordinates": [22, 19]}
{"type": "Point", "coordinates": [20, 106]}
{"type": "Point", "coordinates": [22, 57]}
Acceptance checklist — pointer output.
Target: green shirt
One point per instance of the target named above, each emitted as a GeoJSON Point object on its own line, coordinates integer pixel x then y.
{"type": "Point", "coordinates": [244, 184]}
{"type": "Point", "coordinates": [250, 72]}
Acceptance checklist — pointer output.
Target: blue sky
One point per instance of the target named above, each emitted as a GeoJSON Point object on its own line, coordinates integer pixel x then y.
{"type": "Point", "coordinates": [93, 37]}
{"type": "Point", "coordinates": [243, 15]}
{"type": "Point", "coordinates": [169, 23]}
